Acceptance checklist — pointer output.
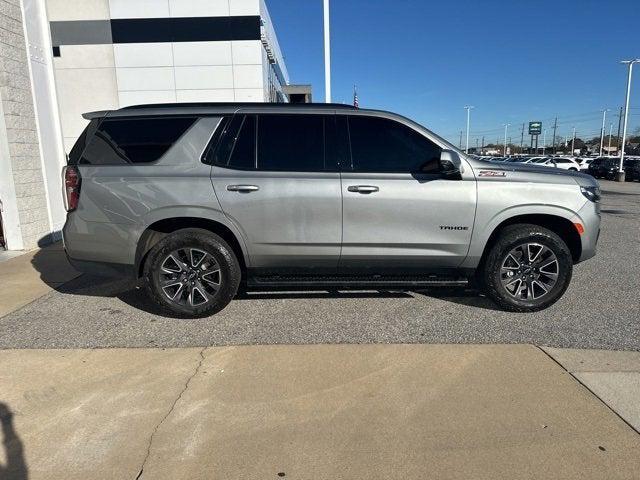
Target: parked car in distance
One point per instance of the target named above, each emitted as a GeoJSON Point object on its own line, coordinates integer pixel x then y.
{"type": "Point", "coordinates": [604, 167]}
{"type": "Point", "coordinates": [195, 201]}
{"type": "Point", "coordinates": [632, 169]}
{"type": "Point", "coordinates": [563, 163]}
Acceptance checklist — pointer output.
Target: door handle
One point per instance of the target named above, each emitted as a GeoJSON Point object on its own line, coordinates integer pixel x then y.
{"type": "Point", "coordinates": [363, 188]}
{"type": "Point", "coordinates": [243, 188]}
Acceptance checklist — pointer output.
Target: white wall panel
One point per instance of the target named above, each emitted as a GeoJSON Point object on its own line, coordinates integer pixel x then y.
{"type": "Point", "coordinates": [84, 56]}
{"type": "Point", "coordinates": [144, 97]}
{"type": "Point", "coordinates": [139, 8]}
{"type": "Point", "coordinates": [81, 91]}
{"type": "Point", "coordinates": [247, 76]}
{"type": "Point", "coordinates": [143, 55]}
{"type": "Point", "coordinates": [60, 10]}
{"type": "Point", "coordinates": [202, 53]}
{"type": "Point", "coordinates": [148, 78]}
{"type": "Point", "coordinates": [205, 77]}
{"type": "Point", "coordinates": [203, 95]}
{"type": "Point", "coordinates": [247, 52]}
{"type": "Point", "coordinates": [199, 8]}
{"type": "Point", "coordinates": [249, 95]}
{"type": "Point", "coordinates": [244, 7]}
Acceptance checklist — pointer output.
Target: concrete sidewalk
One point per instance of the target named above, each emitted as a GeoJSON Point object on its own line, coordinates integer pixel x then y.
{"type": "Point", "coordinates": [29, 276]}
{"type": "Point", "coordinates": [332, 411]}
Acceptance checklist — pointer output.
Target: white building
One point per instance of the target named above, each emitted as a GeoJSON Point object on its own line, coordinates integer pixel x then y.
{"type": "Point", "coordinates": [61, 58]}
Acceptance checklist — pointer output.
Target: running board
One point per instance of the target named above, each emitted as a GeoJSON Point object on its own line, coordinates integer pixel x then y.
{"type": "Point", "coordinates": [376, 281]}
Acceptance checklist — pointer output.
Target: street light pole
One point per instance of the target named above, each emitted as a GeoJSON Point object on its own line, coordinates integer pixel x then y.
{"type": "Point", "coordinates": [468, 109]}
{"type": "Point", "coordinates": [620, 176]}
{"type": "Point", "coordinates": [504, 151]}
{"type": "Point", "coordinates": [573, 142]}
{"type": "Point", "coordinates": [544, 142]}
{"type": "Point", "coordinates": [327, 54]}
{"type": "Point", "coordinates": [604, 118]}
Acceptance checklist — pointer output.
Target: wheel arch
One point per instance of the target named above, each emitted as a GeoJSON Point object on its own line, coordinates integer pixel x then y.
{"type": "Point", "coordinates": [560, 225]}
{"type": "Point", "coordinates": [161, 228]}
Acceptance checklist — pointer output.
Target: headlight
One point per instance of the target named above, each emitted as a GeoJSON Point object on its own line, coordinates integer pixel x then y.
{"type": "Point", "coordinates": [592, 193]}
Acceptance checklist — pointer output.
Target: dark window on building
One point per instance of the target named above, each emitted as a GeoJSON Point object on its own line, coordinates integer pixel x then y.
{"type": "Point", "coordinates": [56, 51]}
{"type": "Point", "coordinates": [383, 145]}
{"type": "Point", "coordinates": [291, 143]}
{"type": "Point", "coordinates": [243, 156]}
{"type": "Point", "coordinates": [134, 140]}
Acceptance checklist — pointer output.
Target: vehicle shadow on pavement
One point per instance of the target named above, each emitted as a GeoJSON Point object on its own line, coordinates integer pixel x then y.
{"type": "Point", "coordinates": [16, 466]}
{"type": "Point", "coordinates": [461, 296]}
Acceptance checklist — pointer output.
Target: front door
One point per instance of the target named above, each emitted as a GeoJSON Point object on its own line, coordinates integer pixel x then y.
{"type": "Point", "coordinates": [279, 187]}
{"type": "Point", "coordinates": [401, 214]}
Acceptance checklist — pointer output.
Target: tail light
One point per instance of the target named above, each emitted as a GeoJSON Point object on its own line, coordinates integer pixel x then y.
{"type": "Point", "coordinates": [72, 182]}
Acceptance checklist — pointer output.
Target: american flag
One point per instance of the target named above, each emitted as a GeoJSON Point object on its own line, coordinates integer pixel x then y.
{"type": "Point", "coordinates": [355, 97]}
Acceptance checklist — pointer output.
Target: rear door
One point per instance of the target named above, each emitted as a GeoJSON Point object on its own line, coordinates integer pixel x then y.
{"type": "Point", "coordinates": [277, 183]}
{"type": "Point", "coordinates": [401, 215]}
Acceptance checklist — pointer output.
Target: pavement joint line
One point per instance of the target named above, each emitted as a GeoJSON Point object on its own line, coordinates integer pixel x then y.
{"type": "Point", "coordinates": [171, 409]}
{"type": "Point", "coordinates": [588, 389]}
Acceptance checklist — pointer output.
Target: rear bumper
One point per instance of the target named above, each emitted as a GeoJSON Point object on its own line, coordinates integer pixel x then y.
{"type": "Point", "coordinates": [103, 269]}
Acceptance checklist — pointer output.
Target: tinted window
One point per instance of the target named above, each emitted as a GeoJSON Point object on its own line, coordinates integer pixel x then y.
{"type": "Point", "coordinates": [133, 140]}
{"type": "Point", "coordinates": [291, 143]}
{"type": "Point", "coordinates": [78, 148]}
{"type": "Point", "coordinates": [243, 155]}
{"type": "Point", "coordinates": [382, 145]}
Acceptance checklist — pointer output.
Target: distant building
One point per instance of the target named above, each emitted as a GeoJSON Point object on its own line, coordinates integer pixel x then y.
{"type": "Point", "coordinates": [61, 58]}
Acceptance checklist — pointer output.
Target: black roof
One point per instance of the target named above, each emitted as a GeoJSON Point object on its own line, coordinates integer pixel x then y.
{"type": "Point", "coordinates": [331, 106]}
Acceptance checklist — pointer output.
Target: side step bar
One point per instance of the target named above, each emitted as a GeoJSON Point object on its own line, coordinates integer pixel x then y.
{"type": "Point", "coordinates": [377, 281]}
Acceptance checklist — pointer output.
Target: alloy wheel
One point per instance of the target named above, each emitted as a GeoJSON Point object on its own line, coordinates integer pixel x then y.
{"type": "Point", "coordinates": [190, 277]}
{"type": "Point", "coordinates": [529, 271]}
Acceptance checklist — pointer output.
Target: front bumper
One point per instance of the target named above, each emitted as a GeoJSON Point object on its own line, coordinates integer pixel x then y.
{"type": "Point", "coordinates": [590, 217]}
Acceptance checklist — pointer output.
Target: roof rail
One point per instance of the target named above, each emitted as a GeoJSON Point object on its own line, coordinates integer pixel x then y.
{"type": "Point", "coordinates": [239, 105]}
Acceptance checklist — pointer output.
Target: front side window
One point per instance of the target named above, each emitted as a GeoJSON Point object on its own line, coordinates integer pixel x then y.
{"type": "Point", "coordinates": [133, 140]}
{"type": "Point", "coordinates": [383, 145]}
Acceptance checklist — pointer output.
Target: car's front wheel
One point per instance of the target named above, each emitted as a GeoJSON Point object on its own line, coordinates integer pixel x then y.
{"type": "Point", "coordinates": [191, 273]}
{"type": "Point", "coordinates": [528, 268]}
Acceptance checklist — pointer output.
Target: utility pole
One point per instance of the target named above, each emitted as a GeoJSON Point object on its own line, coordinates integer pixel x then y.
{"type": "Point", "coordinates": [522, 139]}
{"type": "Point", "coordinates": [468, 109]}
{"type": "Point", "coordinates": [506, 126]}
{"type": "Point", "coordinates": [327, 54]}
{"type": "Point", "coordinates": [555, 128]}
{"type": "Point", "coordinates": [483, 141]}
{"type": "Point", "coordinates": [604, 118]}
{"type": "Point", "coordinates": [620, 176]}
{"type": "Point", "coordinates": [619, 127]}
{"type": "Point", "coordinates": [573, 142]}
{"type": "Point", "coordinates": [544, 142]}
{"type": "Point", "coordinates": [476, 146]}
{"type": "Point", "coordinates": [610, 132]}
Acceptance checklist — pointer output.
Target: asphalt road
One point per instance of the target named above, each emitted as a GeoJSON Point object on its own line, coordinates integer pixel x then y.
{"type": "Point", "coordinates": [601, 309]}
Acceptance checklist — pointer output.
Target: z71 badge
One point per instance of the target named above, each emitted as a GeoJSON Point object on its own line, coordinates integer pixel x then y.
{"type": "Point", "coordinates": [492, 173]}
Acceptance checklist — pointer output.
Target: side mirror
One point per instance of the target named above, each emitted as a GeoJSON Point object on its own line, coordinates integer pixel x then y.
{"type": "Point", "coordinates": [450, 163]}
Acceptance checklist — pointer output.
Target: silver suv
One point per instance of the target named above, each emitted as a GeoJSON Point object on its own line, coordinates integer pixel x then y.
{"type": "Point", "coordinates": [198, 200]}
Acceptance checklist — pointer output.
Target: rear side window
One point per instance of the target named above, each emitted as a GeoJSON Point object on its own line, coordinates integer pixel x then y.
{"type": "Point", "coordinates": [133, 140]}
{"type": "Point", "coordinates": [383, 145]}
{"type": "Point", "coordinates": [291, 143]}
{"type": "Point", "coordinates": [78, 148]}
{"type": "Point", "coordinates": [294, 143]}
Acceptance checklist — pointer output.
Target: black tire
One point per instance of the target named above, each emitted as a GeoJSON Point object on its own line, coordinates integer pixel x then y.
{"type": "Point", "coordinates": [514, 237]}
{"type": "Point", "coordinates": [222, 261]}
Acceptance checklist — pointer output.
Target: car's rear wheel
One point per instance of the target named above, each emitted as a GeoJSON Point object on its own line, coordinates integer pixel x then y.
{"type": "Point", "coordinates": [191, 273]}
{"type": "Point", "coordinates": [528, 269]}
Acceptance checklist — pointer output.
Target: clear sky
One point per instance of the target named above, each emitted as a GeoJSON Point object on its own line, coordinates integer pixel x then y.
{"type": "Point", "coordinates": [514, 60]}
